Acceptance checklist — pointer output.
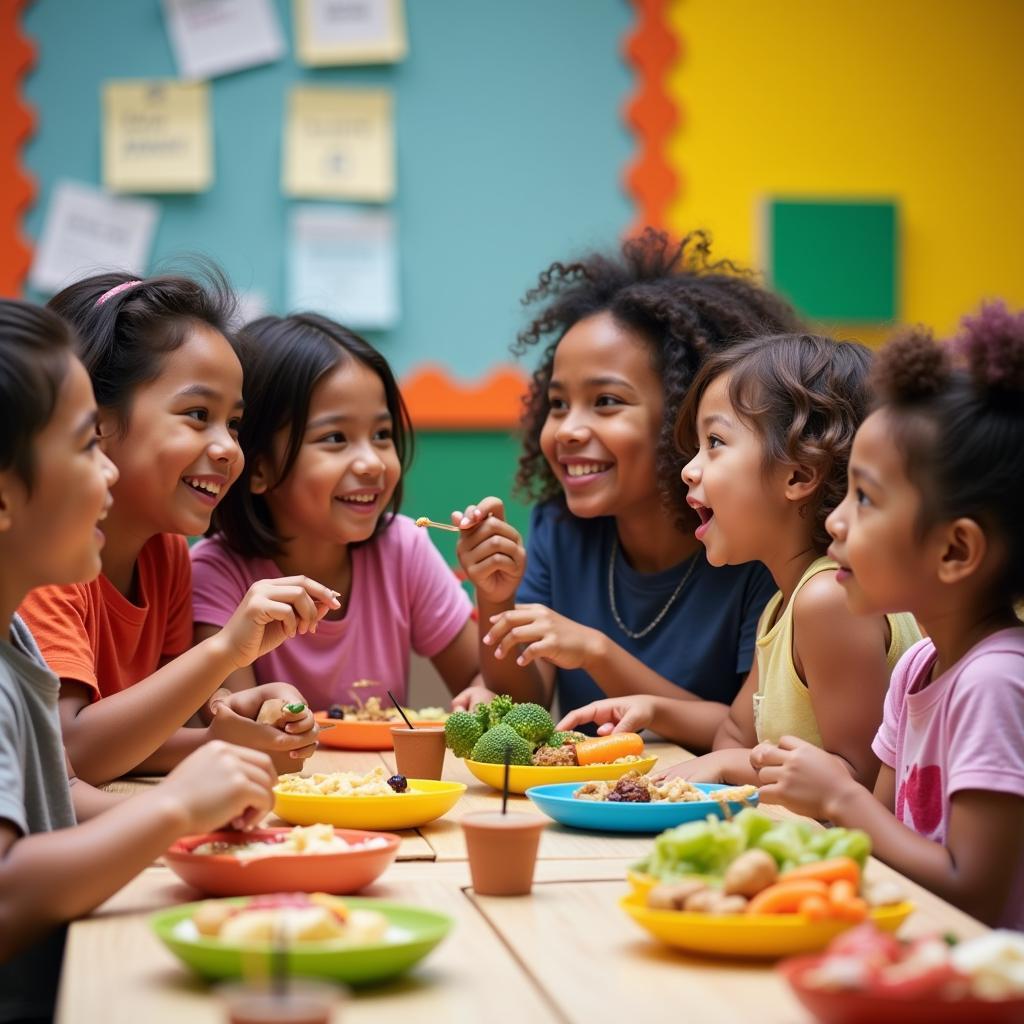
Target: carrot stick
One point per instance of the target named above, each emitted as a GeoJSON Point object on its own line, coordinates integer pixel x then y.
{"type": "Point", "coordinates": [604, 749]}
{"type": "Point", "coordinates": [827, 871]}
{"type": "Point", "coordinates": [786, 897]}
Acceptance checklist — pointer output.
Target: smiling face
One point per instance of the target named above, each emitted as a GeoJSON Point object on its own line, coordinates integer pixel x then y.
{"type": "Point", "coordinates": [885, 562]}
{"type": "Point", "coordinates": [179, 452]}
{"type": "Point", "coordinates": [58, 520]}
{"type": "Point", "coordinates": [739, 504]}
{"type": "Point", "coordinates": [605, 409]}
{"type": "Point", "coordinates": [347, 467]}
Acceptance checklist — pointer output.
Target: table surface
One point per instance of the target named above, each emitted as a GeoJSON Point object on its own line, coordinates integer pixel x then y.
{"type": "Point", "coordinates": [566, 953]}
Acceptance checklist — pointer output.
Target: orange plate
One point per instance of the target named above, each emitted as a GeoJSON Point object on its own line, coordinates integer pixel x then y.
{"type": "Point", "coordinates": [221, 874]}
{"type": "Point", "coordinates": [349, 734]}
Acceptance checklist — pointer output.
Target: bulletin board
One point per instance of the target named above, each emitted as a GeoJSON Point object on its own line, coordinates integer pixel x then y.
{"type": "Point", "coordinates": [512, 151]}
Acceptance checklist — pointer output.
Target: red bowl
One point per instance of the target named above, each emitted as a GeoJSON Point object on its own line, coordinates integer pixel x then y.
{"type": "Point", "coordinates": [851, 1007]}
{"type": "Point", "coordinates": [221, 874]}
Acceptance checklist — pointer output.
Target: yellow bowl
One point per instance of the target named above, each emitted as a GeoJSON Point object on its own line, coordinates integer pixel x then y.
{"type": "Point", "coordinates": [427, 800]}
{"type": "Point", "coordinates": [763, 936]}
{"type": "Point", "coordinates": [522, 776]}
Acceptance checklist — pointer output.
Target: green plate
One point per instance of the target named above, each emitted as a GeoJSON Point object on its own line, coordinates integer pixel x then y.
{"type": "Point", "coordinates": [413, 933]}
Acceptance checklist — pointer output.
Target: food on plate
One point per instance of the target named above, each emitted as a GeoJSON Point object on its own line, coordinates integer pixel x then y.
{"type": "Point", "coordinates": [375, 782]}
{"type": "Point", "coordinates": [302, 839]}
{"type": "Point", "coordinates": [289, 918]}
{"type": "Point", "coordinates": [641, 789]}
{"type": "Point", "coordinates": [755, 865]}
{"type": "Point", "coordinates": [373, 709]}
{"type": "Point", "coordinates": [869, 961]}
{"type": "Point", "coordinates": [526, 734]}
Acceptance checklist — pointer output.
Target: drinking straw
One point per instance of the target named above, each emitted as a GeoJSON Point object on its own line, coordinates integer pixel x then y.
{"type": "Point", "coordinates": [399, 707]}
{"type": "Point", "coordinates": [279, 962]}
{"type": "Point", "coordinates": [508, 769]}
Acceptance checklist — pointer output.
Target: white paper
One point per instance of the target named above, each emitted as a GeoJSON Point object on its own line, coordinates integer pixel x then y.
{"type": "Point", "coordinates": [343, 263]}
{"type": "Point", "coordinates": [87, 231]}
{"type": "Point", "coordinates": [349, 22]}
{"type": "Point", "coordinates": [216, 37]}
{"type": "Point", "coordinates": [349, 31]}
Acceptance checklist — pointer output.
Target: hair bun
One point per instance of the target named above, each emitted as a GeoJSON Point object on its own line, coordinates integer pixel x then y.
{"type": "Point", "coordinates": [912, 367]}
{"type": "Point", "coordinates": [991, 344]}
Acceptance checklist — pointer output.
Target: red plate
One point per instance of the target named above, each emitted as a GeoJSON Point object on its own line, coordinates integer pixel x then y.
{"type": "Point", "coordinates": [851, 1007]}
{"type": "Point", "coordinates": [348, 734]}
{"type": "Point", "coordinates": [221, 874]}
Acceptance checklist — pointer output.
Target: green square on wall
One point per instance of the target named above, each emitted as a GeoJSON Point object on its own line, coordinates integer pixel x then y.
{"type": "Point", "coordinates": [835, 260]}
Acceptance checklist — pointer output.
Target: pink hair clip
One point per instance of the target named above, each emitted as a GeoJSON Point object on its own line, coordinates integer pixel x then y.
{"type": "Point", "coordinates": [116, 290]}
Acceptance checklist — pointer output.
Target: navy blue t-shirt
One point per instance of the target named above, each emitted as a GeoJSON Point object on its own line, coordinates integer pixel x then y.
{"type": "Point", "coordinates": [705, 642]}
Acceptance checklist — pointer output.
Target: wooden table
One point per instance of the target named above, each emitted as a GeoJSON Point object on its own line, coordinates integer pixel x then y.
{"type": "Point", "coordinates": [564, 954]}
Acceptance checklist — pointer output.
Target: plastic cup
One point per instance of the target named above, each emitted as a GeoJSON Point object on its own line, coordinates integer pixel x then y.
{"type": "Point", "coordinates": [300, 1001]}
{"type": "Point", "coordinates": [502, 851]}
{"type": "Point", "coordinates": [419, 753]}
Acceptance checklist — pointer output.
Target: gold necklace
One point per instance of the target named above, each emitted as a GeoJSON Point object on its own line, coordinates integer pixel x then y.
{"type": "Point", "coordinates": [657, 618]}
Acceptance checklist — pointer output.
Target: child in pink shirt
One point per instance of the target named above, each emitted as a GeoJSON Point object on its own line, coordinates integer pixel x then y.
{"type": "Point", "coordinates": [932, 523]}
{"type": "Point", "coordinates": [326, 439]}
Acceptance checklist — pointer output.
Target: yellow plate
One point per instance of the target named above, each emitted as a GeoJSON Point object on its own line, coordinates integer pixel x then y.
{"type": "Point", "coordinates": [523, 776]}
{"type": "Point", "coordinates": [766, 936]}
{"type": "Point", "coordinates": [427, 800]}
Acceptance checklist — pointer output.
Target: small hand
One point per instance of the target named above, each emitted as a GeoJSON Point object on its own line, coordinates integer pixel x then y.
{"type": "Point", "coordinates": [471, 696]}
{"type": "Point", "coordinates": [799, 775]}
{"type": "Point", "coordinates": [544, 634]}
{"type": "Point", "coordinates": [287, 750]}
{"type": "Point", "coordinates": [490, 550]}
{"type": "Point", "coordinates": [708, 768]}
{"type": "Point", "coordinates": [613, 714]}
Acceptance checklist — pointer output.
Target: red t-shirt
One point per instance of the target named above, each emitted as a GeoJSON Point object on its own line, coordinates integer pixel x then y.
{"type": "Point", "coordinates": [92, 633]}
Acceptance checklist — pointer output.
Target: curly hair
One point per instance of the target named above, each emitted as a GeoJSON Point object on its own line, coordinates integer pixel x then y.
{"type": "Point", "coordinates": [673, 296]}
{"type": "Point", "coordinates": [956, 414]}
{"type": "Point", "coordinates": [804, 395]}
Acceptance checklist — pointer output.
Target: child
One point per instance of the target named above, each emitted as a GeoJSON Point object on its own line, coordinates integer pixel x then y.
{"type": "Point", "coordinates": [50, 869]}
{"type": "Point", "coordinates": [327, 438]}
{"type": "Point", "coordinates": [932, 522]}
{"type": "Point", "coordinates": [616, 596]}
{"type": "Point", "coordinates": [169, 388]}
{"type": "Point", "coordinates": [772, 421]}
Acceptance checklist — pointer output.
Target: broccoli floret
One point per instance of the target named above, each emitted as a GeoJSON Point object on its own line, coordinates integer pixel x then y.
{"type": "Point", "coordinates": [531, 721]}
{"type": "Point", "coordinates": [490, 748]}
{"type": "Point", "coordinates": [559, 739]}
{"type": "Point", "coordinates": [461, 732]}
{"type": "Point", "coordinates": [482, 713]}
{"type": "Point", "coordinates": [499, 708]}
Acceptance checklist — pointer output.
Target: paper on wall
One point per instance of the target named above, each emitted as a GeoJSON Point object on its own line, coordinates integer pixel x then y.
{"type": "Point", "coordinates": [339, 144]}
{"type": "Point", "coordinates": [350, 31]}
{"type": "Point", "coordinates": [87, 231]}
{"type": "Point", "coordinates": [216, 37]}
{"type": "Point", "coordinates": [343, 263]}
{"type": "Point", "coordinates": [156, 136]}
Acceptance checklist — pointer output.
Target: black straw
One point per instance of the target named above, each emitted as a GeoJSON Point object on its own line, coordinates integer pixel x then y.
{"type": "Point", "coordinates": [399, 707]}
{"type": "Point", "coordinates": [504, 788]}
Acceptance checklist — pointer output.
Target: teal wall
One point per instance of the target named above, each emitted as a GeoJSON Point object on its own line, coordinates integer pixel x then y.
{"type": "Point", "coordinates": [510, 152]}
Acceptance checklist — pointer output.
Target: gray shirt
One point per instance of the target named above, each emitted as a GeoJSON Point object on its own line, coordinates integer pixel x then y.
{"type": "Point", "coordinates": [34, 797]}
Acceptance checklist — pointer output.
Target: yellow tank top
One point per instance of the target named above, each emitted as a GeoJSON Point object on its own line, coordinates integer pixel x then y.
{"type": "Point", "coordinates": [782, 704]}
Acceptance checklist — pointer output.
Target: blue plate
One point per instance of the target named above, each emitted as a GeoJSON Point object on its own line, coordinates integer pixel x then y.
{"type": "Point", "coordinates": [557, 802]}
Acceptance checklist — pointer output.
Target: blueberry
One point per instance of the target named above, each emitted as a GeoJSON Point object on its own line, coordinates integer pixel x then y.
{"type": "Point", "coordinates": [335, 711]}
{"type": "Point", "coordinates": [398, 783]}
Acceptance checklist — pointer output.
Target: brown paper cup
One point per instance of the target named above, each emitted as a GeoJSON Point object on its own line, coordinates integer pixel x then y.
{"type": "Point", "coordinates": [502, 851]}
{"type": "Point", "coordinates": [419, 753]}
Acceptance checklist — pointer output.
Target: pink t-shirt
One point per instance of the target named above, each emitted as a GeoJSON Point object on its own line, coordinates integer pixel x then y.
{"type": "Point", "coordinates": [404, 597]}
{"type": "Point", "coordinates": [964, 730]}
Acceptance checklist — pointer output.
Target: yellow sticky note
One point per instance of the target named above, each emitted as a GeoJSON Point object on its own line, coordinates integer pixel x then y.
{"type": "Point", "coordinates": [156, 136]}
{"type": "Point", "coordinates": [349, 31]}
{"type": "Point", "coordinates": [339, 144]}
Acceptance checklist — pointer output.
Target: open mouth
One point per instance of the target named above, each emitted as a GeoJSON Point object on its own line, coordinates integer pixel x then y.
{"type": "Point", "coordinates": [204, 486]}
{"type": "Point", "coordinates": [362, 501]}
{"type": "Point", "coordinates": [706, 514]}
{"type": "Point", "coordinates": [583, 472]}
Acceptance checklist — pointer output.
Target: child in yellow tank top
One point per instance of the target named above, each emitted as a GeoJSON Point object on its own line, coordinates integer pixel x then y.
{"type": "Point", "coordinates": [769, 424]}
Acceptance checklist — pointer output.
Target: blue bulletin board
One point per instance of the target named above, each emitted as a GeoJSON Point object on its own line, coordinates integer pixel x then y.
{"type": "Point", "coordinates": [510, 144]}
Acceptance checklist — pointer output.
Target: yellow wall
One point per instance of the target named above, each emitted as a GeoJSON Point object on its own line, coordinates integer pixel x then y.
{"type": "Point", "coordinates": [921, 101]}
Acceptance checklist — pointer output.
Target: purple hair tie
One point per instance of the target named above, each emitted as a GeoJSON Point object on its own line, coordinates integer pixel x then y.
{"type": "Point", "coordinates": [116, 290]}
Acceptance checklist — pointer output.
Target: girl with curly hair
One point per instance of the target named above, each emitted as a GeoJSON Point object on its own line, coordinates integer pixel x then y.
{"type": "Point", "coordinates": [932, 522]}
{"type": "Point", "coordinates": [770, 423]}
{"type": "Point", "coordinates": [615, 596]}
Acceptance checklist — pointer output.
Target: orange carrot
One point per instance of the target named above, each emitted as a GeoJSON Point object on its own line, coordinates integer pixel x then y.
{"type": "Point", "coordinates": [827, 871]}
{"type": "Point", "coordinates": [603, 749]}
{"type": "Point", "coordinates": [845, 903]}
{"type": "Point", "coordinates": [786, 897]}
{"type": "Point", "coordinates": [817, 908]}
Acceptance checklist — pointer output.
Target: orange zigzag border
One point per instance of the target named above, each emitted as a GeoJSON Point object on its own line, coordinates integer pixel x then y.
{"type": "Point", "coordinates": [17, 190]}
{"type": "Point", "coordinates": [651, 50]}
